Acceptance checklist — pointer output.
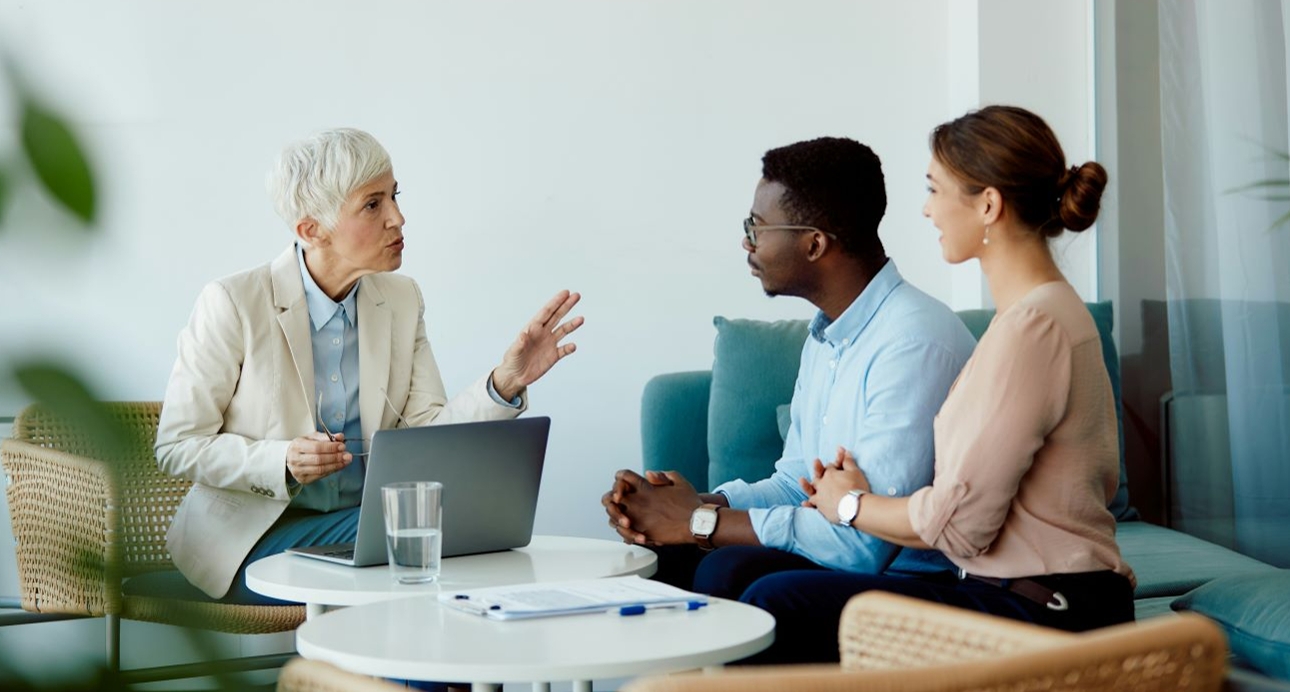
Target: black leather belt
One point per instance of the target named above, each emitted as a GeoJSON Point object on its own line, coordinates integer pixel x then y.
{"type": "Point", "coordinates": [1026, 588]}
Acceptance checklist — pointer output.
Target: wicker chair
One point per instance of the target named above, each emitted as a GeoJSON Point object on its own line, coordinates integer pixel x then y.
{"type": "Point", "coordinates": [85, 520]}
{"type": "Point", "coordinates": [301, 675]}
{"type": "Point", "coordinates": [892, 643]}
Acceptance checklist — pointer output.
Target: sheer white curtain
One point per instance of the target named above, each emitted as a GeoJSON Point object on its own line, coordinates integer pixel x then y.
{"type": "Point", "coordinates": [1224, 119]}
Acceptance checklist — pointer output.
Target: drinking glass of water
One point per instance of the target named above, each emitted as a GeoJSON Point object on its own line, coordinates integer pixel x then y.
{"type": "Point", "coordinates": [413, 530]}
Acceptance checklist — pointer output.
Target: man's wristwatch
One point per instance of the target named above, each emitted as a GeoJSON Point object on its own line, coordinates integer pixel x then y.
{"type": "Point", "coordinates": [703, 523]}
{"type": "Point", "coordinates": [849, 507]}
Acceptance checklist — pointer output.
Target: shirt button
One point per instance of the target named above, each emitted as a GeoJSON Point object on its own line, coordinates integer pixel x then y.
{"type": "Point", "coordinates": [833, 364]}
{"type": "Point", "coordinates": [336, 341]}
{"type": "Point", "coordinates": [846, 342]}
{"type": "Point", "coordinates": [891, 491]}
{"type": "Point", "coordinates": [338, 416]}
{"type": "Point", "coordinates": [335, 378]}
{"type": "Point", "coordinates": [825, 420]}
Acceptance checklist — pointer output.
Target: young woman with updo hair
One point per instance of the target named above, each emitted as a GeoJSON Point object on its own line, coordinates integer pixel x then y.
{"type": "Point", "coordinates": [1027, 450]}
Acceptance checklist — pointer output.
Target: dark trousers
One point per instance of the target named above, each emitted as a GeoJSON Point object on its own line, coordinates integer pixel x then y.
{"type": "Point", "coordinates": [807, 605]}
{"type": "Point", "coordinates": [725, 572]}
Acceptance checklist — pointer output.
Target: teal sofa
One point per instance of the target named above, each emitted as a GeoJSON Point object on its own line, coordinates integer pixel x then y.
{"type": "Point", "coordinates": [728, 422]}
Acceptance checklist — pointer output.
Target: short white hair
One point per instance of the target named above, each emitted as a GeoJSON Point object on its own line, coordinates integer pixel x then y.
{"type": "Point", "coordinates": [314, 177]}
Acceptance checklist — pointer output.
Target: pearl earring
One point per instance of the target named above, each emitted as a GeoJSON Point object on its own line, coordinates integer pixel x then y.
{"type": "Point", "coordinates": [986, 240]}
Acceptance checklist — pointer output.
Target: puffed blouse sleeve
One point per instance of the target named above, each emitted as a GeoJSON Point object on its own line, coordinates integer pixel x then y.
{"type": "Point", "coordinates": [1011, 395]}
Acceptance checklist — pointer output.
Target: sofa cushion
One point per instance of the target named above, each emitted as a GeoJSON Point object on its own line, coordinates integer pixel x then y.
{"type": "Point", "coordinates": [1171, 563]}
{"type": "Point", "coordinates": [674, 425]}
{"type": "Point", "coordinates": [1144, 608]}
{"type": "Point", "coordinates": [1104, 317]}
{"type": "Point", "coordinates": [754, 369]}
{"type": "Point", "coordinates": [1254, 612]}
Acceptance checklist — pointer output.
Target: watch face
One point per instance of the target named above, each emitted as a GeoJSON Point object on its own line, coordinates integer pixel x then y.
{"type": "Point", "coordinates": [703, 522]}
{"type": "Point", "coordinates": [847, 507]}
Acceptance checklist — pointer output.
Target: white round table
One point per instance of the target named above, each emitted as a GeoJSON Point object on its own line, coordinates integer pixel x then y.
{"type": "Point", "coordinates": [418, 639]}
{"type": "Point", "coordinates": [320, 584]}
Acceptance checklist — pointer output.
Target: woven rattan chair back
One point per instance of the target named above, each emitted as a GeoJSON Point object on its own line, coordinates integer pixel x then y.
{"type": "Point", "coordinates": [878, 633]}
{"type": "Point", "coordinates": [148, 497]}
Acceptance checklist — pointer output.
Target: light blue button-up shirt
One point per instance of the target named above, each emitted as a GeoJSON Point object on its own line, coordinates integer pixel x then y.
{"type": "Point", "coordinates": [871, 381]}
{"type": "Point", "coordinates": [334, 337]}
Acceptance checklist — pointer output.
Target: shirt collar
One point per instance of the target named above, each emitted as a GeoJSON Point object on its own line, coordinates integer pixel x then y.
{"type": "Point", "coordinates": [847, 327]}
{"type": "Point", "coordinates": [321, 307]}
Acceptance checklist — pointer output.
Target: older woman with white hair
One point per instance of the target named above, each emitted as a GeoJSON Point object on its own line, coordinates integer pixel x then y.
{"type": "Point", "coordinates": [284, 370]}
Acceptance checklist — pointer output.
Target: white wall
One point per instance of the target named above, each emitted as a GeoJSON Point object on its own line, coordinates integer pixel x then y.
{"type": "Point", "coordinates": [606, 147]}
{"type": "Point", "coordinates": [1038, 55]}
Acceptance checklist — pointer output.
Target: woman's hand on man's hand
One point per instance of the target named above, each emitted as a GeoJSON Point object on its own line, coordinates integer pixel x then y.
{"type": "Point", "coordinates": [829, 482]}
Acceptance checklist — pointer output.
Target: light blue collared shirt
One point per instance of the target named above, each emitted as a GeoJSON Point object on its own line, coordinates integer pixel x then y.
{"type": "Point", "coordinates": [334, 336]}
{"type": "Point", "coordinates": [871, 381]}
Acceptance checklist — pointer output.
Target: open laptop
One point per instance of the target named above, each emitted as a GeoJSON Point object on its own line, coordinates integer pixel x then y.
{"type": "Point", "coordinates": [490, 472]}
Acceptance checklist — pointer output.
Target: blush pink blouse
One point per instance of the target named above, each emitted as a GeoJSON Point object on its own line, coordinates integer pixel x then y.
{"type": "Point", "coordinates": [1027, 452]}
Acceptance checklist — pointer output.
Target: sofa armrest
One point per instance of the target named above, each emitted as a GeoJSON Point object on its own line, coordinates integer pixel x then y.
{"type": "Point", "coordinates": [65, 522]}
{"type": "Point", "coordinates": [674, 425]}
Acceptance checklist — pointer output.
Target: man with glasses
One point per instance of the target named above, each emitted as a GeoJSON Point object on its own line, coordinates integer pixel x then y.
{"type": "Point", "coordinates": [877, 364]}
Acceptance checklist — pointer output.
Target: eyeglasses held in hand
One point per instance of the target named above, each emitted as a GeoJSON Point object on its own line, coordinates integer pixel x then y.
{"type": "Point", "coordinates": [751, 228]}
{"type": "Point", "coordinates": [327, 431]}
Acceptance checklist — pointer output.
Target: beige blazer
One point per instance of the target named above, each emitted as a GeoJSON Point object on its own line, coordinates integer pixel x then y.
{"type": "Point", "coordinates": [243, 387]}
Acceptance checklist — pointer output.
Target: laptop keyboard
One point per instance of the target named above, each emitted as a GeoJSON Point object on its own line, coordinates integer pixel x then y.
{"type": "Point", "coordinates": [342, 553]}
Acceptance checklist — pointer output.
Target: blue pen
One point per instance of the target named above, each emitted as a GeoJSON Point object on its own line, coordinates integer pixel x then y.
{"type": "Point", "coordinates": [641, 608]}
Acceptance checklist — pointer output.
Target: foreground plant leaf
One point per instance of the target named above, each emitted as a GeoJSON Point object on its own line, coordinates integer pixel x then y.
{"type": "Point", "coordinates": [4, 194]}
{"type": "Point", "coordinates": [58, 160]}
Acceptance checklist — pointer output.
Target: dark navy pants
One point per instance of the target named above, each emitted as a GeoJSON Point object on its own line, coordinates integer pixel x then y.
{"type": "Point", "coordinates": [725, 572]}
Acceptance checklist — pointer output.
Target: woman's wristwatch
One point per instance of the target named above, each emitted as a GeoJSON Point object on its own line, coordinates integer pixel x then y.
{"type": "Point", "coordinates": [849, 507]}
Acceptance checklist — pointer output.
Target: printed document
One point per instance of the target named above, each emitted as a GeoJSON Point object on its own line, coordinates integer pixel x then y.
{"type": "Point", "coordinates": [628, 595]}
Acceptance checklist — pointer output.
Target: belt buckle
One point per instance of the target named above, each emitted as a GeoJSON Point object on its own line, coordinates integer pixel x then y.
{"type": "Point", "coordinates": [1058, 603]}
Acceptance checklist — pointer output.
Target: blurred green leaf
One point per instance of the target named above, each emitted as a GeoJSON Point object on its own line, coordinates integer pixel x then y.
{"type": "Point", "coordinates": [58, 160]}
{"type": "Point", "coordinates": [1285, 218]}
{"type": "Point", "coordinates": [1269, 189]}
{"type": "Point", "coordinates": [4, 193]}
{"type": "Point", "coordinates": [68, 398]}
{"type": "Point", "coordinates": [1273, 183]}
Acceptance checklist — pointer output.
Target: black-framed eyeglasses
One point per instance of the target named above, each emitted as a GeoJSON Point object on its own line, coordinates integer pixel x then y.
{"type": "Point", "coordinates": [751, 229]}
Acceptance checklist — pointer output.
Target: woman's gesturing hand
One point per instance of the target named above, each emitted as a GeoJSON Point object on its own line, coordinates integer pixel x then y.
{"type": "Point", "coordinates": [537, 349]}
